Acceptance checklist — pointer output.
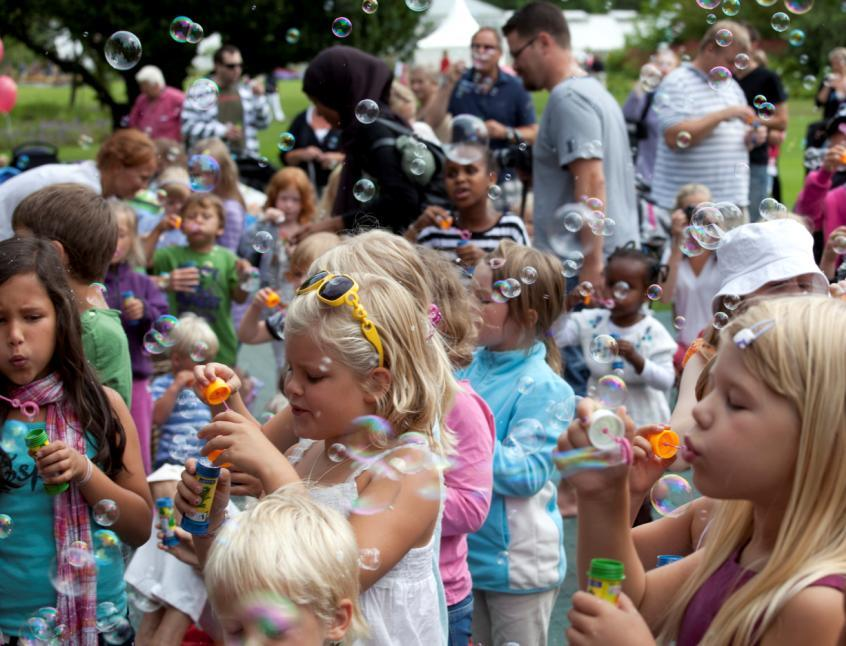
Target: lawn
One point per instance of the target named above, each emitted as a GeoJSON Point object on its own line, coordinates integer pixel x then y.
{"type": "Point", "coordinates": [45, 113]}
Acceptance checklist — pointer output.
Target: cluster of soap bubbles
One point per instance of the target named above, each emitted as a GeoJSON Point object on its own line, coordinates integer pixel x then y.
{"type": "Point", "coordinates": [112, 624]}
{"type": "Point", "coordinates": [469, 140]}
{"type": "Point", "coordinates": [43, 628]}
{"type": "Point", "coordinates": [203, 173]}
{"type": "Point", "coordinates": [185, 30]}
{"type": "Point", "coordinates": [122, 50]}
{"type": "Point", "coordinates": [771, 209]}
{"type": "Point", "coordinates": [160, 337]}
{"type": "Point", "coordinates": [503, 290]}
{"type": "Point", "coordinates": [77, 566]}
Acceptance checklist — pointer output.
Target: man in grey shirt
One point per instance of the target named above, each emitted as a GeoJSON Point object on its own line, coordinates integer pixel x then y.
{"type": "Point", "coordinates": [582, 148]}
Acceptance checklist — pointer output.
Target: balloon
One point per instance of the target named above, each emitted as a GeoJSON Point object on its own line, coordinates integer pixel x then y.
{"type": "Point", "coordinates": [8, 94]}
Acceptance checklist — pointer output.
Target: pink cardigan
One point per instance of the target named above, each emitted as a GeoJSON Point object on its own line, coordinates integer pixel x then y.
{"type": "Point", "coordinates": [825, 207]}
{"type": "Point", "coordinates": [158, 118]}
{"type": "Point", "coordinates": [468, 487]}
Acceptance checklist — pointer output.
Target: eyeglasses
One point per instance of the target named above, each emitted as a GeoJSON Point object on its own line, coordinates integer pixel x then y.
{"type": "Point", "coordinates": [232, 66]}
{"type": "Point", "coordinates": [339, 289]}
{"type": "Point", "coordinates": [516, 55]}
{"type": "Point", "coordinates": [485, 48]}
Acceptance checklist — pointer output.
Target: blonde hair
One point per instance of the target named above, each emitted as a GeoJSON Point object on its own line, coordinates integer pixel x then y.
{"type": "Point", "coordinates": [837, 52]}
{"type": "Point", "coordinates": [330, 192]}
{"type": "Point", "coordinates": [456, 306]}
{"type": "Point", "coordinates": [123, 213]}
{"type": "Point", "coordinates": [401, 94]}
{"type": "Point", "coordinates": [546, 296]}
{"type": "Point", "coordinates": [422, 387]}
{"type": "Point", "coordinates": [227, 184]}
{"type": "Point", "coordinates": [190, 333]}
{"type": "Point", "coordinates": [290, 545]}
{"type": "Point", "coordinates": [310, 249]}
{"type": "Point", "coordinates": [800, 360]}
{"type": "Point", "coordinates": [691, 189]}
{"type": "Point", "coordinates": [740, 35]}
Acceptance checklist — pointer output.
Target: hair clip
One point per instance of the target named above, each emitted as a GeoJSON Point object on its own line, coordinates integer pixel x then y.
{"type": "Point", "coordinates": [435, 316]}
{"type": "Point", "coordinates": [747, 336]}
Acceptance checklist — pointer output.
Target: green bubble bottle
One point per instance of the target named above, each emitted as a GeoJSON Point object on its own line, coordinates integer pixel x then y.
{"type": "Point", "coordinates": [605, 579]}
{"type": "Point", "coordinates": [35, 439]}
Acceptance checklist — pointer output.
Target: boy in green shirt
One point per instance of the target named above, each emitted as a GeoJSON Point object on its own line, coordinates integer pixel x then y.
{"type": "Point", "coordinates": [80, 224]}
{"type": "Point", "coordinates": [204, 278]}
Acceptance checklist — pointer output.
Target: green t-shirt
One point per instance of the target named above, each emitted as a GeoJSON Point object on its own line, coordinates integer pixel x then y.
{"type": "Point", "coordinates": [107, 350]}
{"type": "Point", "coordinates": [212, 300]}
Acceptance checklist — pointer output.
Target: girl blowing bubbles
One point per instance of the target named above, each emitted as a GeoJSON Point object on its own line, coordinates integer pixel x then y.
{"type": "Point", "coordinates": [770, 444]}
{"type": "Point", "coordinates": [41, 360]}
{"type": "Point", "coordinates": [359, 345]}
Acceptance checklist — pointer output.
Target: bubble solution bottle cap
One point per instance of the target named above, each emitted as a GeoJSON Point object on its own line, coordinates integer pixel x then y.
{"type": "Point", "coordinates": [605, 429]}
{"type": "Point", "coordinates": [607, 569]}
{"type": "Point", "coordinates": [445, 222]}
{"type": "Point", "coordinates": [177, 223]}
{"type": "Point", "coordinates": [272, 299]}
{"type": "Point", "coordinates": [217, 392]}
{"type": "Point", "coordinates": [664, 443]}
{"type": "Point", "coordinates": [35, 439]}
{"type": "Point", "coordinates": [666, 559]}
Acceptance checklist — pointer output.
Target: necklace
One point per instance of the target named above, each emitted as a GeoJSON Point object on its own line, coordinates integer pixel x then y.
{"type": "Point", "coordinates": [323, 475]}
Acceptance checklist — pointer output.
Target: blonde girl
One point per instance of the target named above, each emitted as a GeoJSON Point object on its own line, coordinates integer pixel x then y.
{"type": "Point", "coordinates": [226, 188]}
{"type": "Point", "coordinates": [770, 445]}
{"type": "Point", "coordinates": [376, 360]}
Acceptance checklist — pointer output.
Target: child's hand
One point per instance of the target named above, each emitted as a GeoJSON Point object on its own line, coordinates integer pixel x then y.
{"type": "Point", "coordinates": [260, 298]}
{"type": "Point", "coordinates": [244, 484]}
{"type": "Point", "coordinates": [184, 279]}
{"type": "Point", "coordinates": [57, 463]}
{"type": "Point", "coordinates": [170, 221]}
{"type": "Point", "coordinates": [243, 443]}
{"type": "Point", "coordinates": [839, 232]}
{"type": "Point", "coordinates": [272, 214]}
{"type": "Point", "coordinates": [833, 158]}
{"type": "Point", "coordinates": [207, 373]}
{"type": "Point", "coordinates": [627, 350]}
{"type": "Point", "coordinates": [188, 494]}
{"type": "Point", "coordinates": [243, 267]}
{"type": "Point", "coordinates": [469, 255]}
{"type": "Point", "coordinates": [646, 467]}
{"type": "Point", "coordinates": [133, 309]}
{"type": "Point", "coordinates": [184, 551]}
{"type": "Point", "coordinates": [595, 621]}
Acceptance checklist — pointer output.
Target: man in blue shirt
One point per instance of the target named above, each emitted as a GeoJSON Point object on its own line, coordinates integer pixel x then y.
{"type": "Point", "coordinates": [498, 98]}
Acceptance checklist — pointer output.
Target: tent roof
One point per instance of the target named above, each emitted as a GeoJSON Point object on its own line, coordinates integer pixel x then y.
{"type": "Point", "coordinates": [456, 30]}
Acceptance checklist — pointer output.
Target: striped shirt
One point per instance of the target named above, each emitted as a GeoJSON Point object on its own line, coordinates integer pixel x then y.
{"type": "Point", "coordinates": [199, 123]}
{"type": "Point", "coordinates": [508, 227]}
{"type": "Point", "coordinates": [720, 161]}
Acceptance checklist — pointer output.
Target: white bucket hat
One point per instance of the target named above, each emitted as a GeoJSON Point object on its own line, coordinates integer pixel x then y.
{"type": "Point", "coordinates": [753, 255]}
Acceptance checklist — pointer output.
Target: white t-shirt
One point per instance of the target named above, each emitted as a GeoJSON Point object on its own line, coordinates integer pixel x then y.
{"type": "Point", "coordinates": [15, 190]}
{"type": "Point", "coordinates": [692, 297]}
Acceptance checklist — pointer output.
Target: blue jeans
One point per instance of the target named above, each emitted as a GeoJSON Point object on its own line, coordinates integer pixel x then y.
{"type": "Point", "coordinates": [460, 621]}
{"type": "Point", "coordinates": [759, 188]}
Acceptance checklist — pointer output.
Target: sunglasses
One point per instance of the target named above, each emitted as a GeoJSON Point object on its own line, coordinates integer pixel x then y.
{"type": "Point", "coordinates": [336, 290]}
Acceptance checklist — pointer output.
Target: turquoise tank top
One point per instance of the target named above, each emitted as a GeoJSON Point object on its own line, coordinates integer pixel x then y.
{"type": "Point", "coordinates": [27, 554]}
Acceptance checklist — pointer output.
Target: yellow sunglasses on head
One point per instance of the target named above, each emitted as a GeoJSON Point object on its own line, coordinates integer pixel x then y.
{"type": "Point", "coordinates": [339, 289]}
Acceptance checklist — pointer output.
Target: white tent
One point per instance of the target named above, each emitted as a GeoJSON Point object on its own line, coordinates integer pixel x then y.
{"type": "Point", "coordinates": [453, 36]}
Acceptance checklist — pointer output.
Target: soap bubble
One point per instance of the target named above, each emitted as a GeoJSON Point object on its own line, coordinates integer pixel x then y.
{"type": "Point", "coordinates": [381, 492]}
{"type": "Point", "coordinates": [780, 21]}
{"type": "Point", "coordinates": [767, 3]}
{"type": "Point", "coordinates": [603, 348]}
{"type": "Point", "coordinates": [796, 37]}
{"type": "Point", "coordinates": [719, 78]}
{"type": "Point", "coordinates": [120, 633]}
{"type": "Point", "coordinates": [337, 452]}
{"type": "Point", "coordinates": [195, 33]}
{"type": "Point", "coordinates": [202, 94]}
{"type": "Point", "coordinates": [611, 391]}
{"type": "Point", "coordinates": [654, 292]}
{"type": "Point", "coordinates": [179, 28]}
{"type": "Point", "coordinates": [469, 142]}
{"type": "Point", "coordinates": [6, 526]}
{"type": "Point", "coordinates": [741, 61]}
{"type": "Point", "coordinates": [838, 244]}
{"type": "Point", "coordinates": [528, 275]}
{"type": "Point", "coordinates": [165, 325]}
{"type": "Point", "coordinates": [766, 111]}
{"type": "Point", "coordinates": [364, 190]}
{"type": "Point", "coordinates": [106, 512]}
{"type": "Point", "coordinates": [85, 141]}
{"type": "Point", "coordinates": [563, 410]}
{"type": "Point", "coordinates": [106, 546]}
{"type": "Point", "coordinates": [710, 19]}
{"type": "Point", "coordinates": [263, 241]}
{"type": "Point", "coordinates": [650, 77]}
{"type": "Point", "coordinates": [724, 37]}
{"type": "Point", "coordinates": [683, 139]}
{"type": "Point", "coordinates": [199, 352]}
{"type": "Point", "coordinates": [731, 7]}
{"type": "Point", "coordinates": [286, 142]}
{"type": "Point", "coordinates": [720, 320]}
{"type": "Point", "coordinates": [731, 214]}
{"type": "Point", "coordinates": [731, 302]}
{"type": "Point", "coordinates": [369, 6]}
{"type": "Point", "coordinates": [369, 558]}
{"type": "Point", "coordinates": [679, 322]}
{"type": "Point", "coordinates": [708, 5]}
{"type": "Point", "coordinates": [585, 288]}
{"type": "Point", "coordinates": [511, 288]}
{"type": "Point", "coordinates": [620, 290]}
{"type": "Point", "coordinates": [799, 7]}
{"type": "Point", "coordinates": [108, 616]}
{"type": "Point", "coordinates": [34, 630]}
{"type": "Point", "coordinates": [670, 494]}
{"type": "Point", "coordinates": [527, 435]}
{"type": "Point", "coordinates": [494, 192]}
{"type": "Point", "coordinates": [525, 385]}
{"type": "Point", "coordinates": [122, 50]}
{"type": "Point", "coordinates": [203, 172]}
{"type": "Point", "coordinates": [418, 5]}
{"type": "Point", "coordinates": [771, 209]}
{"type": "Point", "coordinates": [292, 36]}
{"type": "Point", "coordinates": [367, 111]}
{"type": "Point", "coordinates": [152, 342]}
{"type": "Point", "coordinates": [758, 101]}
{"type": "Point", "coordinates": [82, 565]}
{"type": "Point", "coordinates": [809, 81]}
{"type": "Point", "coordinates": [417, 166]}
{"type": "Point", "coordinates": [342, 27]}
{"type": "Point", "coordinates": [573, 221]}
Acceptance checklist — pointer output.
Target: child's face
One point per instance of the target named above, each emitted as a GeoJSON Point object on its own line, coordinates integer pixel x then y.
{"type": "Point", "coordinates": [254, 624]}
{"type": "Point", "coordinates": [631, 272]}
{"type": "Point", "coordinates": [466, 184]}
{"type": "Point", "coordinates": [201, 225]}
{"type": "Point", "coordinates": [288, 201]}
{"type": "Point", "coordinates": [180, 362]}
{"type": "Point", "coordinates": [746, 437]}
{"type": "Point", "coordinates": [325, 395]}
{"type": "Point", "coordinates": [27, 329]}
{"type": "Point", "coordinates": [497, 331]}
{"type": "Point", "coordinates": [124, 242]}
{"type": "Point", "coordinates": [174, 202]}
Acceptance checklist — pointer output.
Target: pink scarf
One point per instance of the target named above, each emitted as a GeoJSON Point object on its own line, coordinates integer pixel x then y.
{"type": "Point", "coordinates": [71, 521]}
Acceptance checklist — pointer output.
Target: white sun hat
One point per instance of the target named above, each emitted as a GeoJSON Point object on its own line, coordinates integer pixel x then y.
{"type": "Point", "coordinates": [752, 255]}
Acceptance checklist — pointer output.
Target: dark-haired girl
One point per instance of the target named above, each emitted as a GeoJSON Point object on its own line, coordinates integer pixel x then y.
{"type": "Point", "coordinates": [645, 348]}
{"type": "Point", "coordinates": [56, 555]}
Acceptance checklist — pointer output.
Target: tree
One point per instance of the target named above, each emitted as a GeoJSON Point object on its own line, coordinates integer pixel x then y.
{"type": "Point", "coordinates": [257, 27]}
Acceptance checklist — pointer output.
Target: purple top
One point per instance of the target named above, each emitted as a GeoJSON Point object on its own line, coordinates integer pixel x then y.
{"type": "Point", "coordinates": [708, 600]}
{"type": "Point", "coordinates": [647, 149]}
{"type": "Point", "coordinates": [122, 278]}
{"type": "Point", "coordinates": [234, 226]}
{"type": "Point", "coordinates": [468, 487]}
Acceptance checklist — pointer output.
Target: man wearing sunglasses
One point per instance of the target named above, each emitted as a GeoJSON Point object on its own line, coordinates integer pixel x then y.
{"type": "Point", "coordinates": [240, 111]}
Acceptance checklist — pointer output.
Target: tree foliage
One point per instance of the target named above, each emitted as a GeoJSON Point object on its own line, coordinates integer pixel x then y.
{"type": "Point", "coordinates": [257, 27]}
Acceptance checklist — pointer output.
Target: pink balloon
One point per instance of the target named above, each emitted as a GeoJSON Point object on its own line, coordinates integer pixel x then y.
{"type": "Point", "coordinates": [8, 94]}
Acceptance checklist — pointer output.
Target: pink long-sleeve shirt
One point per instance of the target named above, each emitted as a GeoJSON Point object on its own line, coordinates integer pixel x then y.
{"type": "Point", "coordinates": [159, 117]}
{"type": "Point", "coordinates": [468, 487]}
{"type": "Point", "coordinates": [825, 206]}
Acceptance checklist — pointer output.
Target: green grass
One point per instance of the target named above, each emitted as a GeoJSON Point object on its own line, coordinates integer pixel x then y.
{"type": "Point", "coordinates": [45, 113]}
